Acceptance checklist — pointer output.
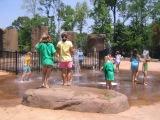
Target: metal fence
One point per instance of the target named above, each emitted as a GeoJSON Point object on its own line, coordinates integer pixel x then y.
{"type": "Point", "coordinates": [91, 61]}
{"type": "Point", "coordinates": [13, 61]}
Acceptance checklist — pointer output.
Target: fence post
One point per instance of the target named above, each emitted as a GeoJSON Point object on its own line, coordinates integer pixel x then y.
{"type": "Point", "coordinates": [99, 60]}
{"type": "Point", "coordinates": [16, 62]}
{"type": "Point", "coordinates": [39, 61]}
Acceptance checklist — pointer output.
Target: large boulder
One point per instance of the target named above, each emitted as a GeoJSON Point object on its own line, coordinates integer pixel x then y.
{"type": "Point", "coordinates": [74, 98]}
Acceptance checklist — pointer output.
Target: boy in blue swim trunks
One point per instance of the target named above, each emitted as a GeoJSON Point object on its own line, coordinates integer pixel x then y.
{"type": "Point", "coordinates": [135, 59]}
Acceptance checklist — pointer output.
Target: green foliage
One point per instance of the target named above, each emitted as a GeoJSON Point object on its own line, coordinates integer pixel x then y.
{"type": "Point", "coordinates": [154, 9]}
{"type": "Point", "coordinates": [20, 22]}
{"type": "Point", "coordinates": [81, 13]}
{"type": "Point", "coordinates": [81, 41]}
{"type": "Point", "coordinates": [24, 26]}
{"type": "Point", "coordinates": [67, 15]}
{"type": "Point", "coordinates": [101, 17]}
{"type": "Point", "coordinates": [31, 6]}
{"type": "Point", "coordinates": [155, 44]}
{"type": "Point", "coordinates": [130, 37]}
{"type": "Point", "coordinates": [137, 25]}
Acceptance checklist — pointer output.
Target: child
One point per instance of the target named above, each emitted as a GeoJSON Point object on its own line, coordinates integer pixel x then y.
{"type": "Point", "coordinates": [80, 56]}
{"type": "Point", "coordinates": [108, 69]}
{"type": "Point", "coordinates": [46, 50]}
{"type": "Point", "coordinates": [27, 67]}
{"type": "Point", "coordinates": [117, 61]}
{"type": "Point", "coordinates": [65, 51]}
{"type": "Point", "coordinates": [145, 70]}
{"type": "Point", "coordinates": [135, 59]}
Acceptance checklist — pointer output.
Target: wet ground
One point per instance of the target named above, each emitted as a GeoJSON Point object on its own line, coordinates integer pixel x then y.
{"type": "Point", "coordinates": [12, 89]}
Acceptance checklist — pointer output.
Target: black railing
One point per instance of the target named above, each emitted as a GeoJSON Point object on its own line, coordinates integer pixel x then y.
{"type": "Point", "coordinates": [13, 61]}
{"type": "Point", "coordinates": [91, 60]}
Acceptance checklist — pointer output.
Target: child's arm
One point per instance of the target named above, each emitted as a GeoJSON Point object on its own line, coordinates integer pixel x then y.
{"type": "Point", "coordinates": [131, 59]}
{"type": "Point", "coordinates": [149, 59]}
{"type": "Point", "coordinates": [143, 67]}
{"type": "Point", "coordinates": [139, 58]}
{"type": "Point", "coordinates": [113, 68]}
{"type": "Point", "coordinates": [101, 69]}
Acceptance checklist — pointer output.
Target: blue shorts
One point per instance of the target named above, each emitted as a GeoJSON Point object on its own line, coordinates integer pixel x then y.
{"type": "Point", "coordinates": [26, 69]}
{"type": "Point", "coordinates": [134, 66]}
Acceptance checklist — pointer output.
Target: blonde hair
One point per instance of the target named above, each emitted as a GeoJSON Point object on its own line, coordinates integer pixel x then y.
{"type": "Point", "coordinates": [45, 38]}
{"type": "Point", "coordinates": [29, 53]}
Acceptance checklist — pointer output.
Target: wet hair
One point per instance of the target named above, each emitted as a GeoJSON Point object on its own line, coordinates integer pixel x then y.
{"type": "Point", "coordinates": [64, 35]}
{"type": "Point", "coordinates": [117, 52]}
{"type": "Point", "coordinates": [135, 53]}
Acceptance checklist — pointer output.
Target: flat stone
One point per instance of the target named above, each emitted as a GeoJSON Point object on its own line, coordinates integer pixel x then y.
{"type": "Point", "coordinates": [74, 98]}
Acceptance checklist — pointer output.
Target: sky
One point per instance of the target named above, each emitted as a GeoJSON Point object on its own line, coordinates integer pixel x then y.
{"type": "Point", "coordinates": [12, 9]}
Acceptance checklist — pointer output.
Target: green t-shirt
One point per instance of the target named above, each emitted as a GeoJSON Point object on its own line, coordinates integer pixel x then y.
{"type": "Point", "coordinates": [108, 69]}
{"type": "Point", "coordinates": [46, 51]}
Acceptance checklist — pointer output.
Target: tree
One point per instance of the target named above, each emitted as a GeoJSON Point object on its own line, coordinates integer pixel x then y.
{"type": "Point", "coordinates": [24, 26]}
{"type": "Point", "coordinates": [19, 23]}
{"type": "Point", "coordinates": [31, 6]}
{"type": "Point", "coordinates": [154, 8]}
{"type": "Point", "coordinates": [67, 15]}
{"type": "Point", "coordinates": [50, 8]}
{"type": "Point", "coordinates": [81, 13]}
{"type": "Point", "coordinates": [101, 17]}
{"type": "Point", "coordinates": [121, 35]}
{"type": "Point", "coordinates": [155, 44]}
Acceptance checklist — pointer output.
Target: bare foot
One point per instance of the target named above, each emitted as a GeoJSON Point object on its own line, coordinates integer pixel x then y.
{"type": "Point", "coordinates": [145, 83]}
{"type": "Point", "coordinates": [65, 84]}
{"type": "Point", "coordinates": [47, 86]}
{"type": "Point", "coordinates": [69, 83]}
{"type": "Point", "coordinates": [42, 86]}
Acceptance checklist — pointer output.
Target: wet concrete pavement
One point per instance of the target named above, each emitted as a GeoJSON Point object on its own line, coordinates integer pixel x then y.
{"type": "Point", "coordinates": [12, 89]}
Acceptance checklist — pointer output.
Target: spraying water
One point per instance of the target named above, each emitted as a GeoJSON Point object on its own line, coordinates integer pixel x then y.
{"type": "Point", "coordinates": [76, 64]}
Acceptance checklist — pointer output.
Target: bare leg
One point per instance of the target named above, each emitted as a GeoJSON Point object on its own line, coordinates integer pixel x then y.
{"type": "Point", "coordinates": [118, 67]}
{"type": "Point", "coordinates": [136, 75]}
{"type": "Point", "coordinates": [23, 76]}
{"type": "Point", "coordinates": [107, 85]}
{"type": "Point", "coordinates": [48, 72]}
{"type": "Point", "coordinates": [29, 75]}
{"type": "Point", "coordinates": [44, 70]}
{"type": "Point", "coordinates": [133, 76]}
{"type": "Point", "coordinates": [69, 76]}
{"type": "Point", "coordinates": [64, 76]}
{"type": "Point", "coordinates": [145, 78]}
{"type": "Point", "coordinates": [110, 85]}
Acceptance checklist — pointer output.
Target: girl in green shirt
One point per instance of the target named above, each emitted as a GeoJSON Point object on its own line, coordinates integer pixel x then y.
{"type": "Point", "coordinates": [46, 51]}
